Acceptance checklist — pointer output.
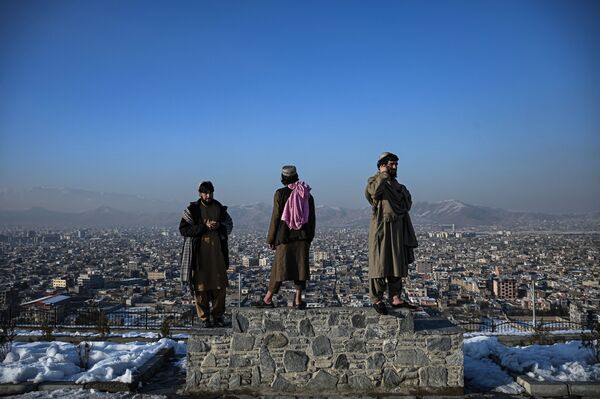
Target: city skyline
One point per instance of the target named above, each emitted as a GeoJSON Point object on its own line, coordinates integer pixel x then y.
{"type": "Point", "coordinates": [492, 104]}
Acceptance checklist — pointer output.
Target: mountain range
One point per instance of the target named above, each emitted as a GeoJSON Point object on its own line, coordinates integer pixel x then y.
{"type": "Point", "coordinates": [67, 208]}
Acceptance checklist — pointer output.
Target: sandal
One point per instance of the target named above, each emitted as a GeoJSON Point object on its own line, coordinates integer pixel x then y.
{"type": "Point", "coordinates": [405, 305]}
{"type": "Point", "coordinates": [262, 304]}
{"type": "Point", "coordinates": [380, 308]}
{"type": "Point", "coordinates": [299, 306]}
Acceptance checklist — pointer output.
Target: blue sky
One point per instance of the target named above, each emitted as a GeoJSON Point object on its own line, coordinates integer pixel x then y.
{"type": "Point", "coordinates": [491, 103]}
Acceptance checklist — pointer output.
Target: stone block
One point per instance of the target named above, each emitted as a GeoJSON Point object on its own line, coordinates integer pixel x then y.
{"type": "Point", "coordinates": [389, 346]}
{"type": "Point", "coordinates": [391, 379]}
{"type": "Point", "coordinates": [375, 331]}
{"type": "Point", "coordinates": [109, 386]}
{"type": "Point", "coordinates": [306, 328]}
{"type": "Point", "coordinates": [341, 362]}
{"type": "Point", "coordinates": [321, 346]}
{"type": "Point", "coordinates": [343, 379]}
{"type": "Point", "coordinates": [280, 384]}
{"type": "Point", "coordinates": [359, 321]}
{"type": "Point", "coordinates": [191, 377]}
{"type": "Point", "coordinates": [16, 389]}
{"type": "Point", "coordinates": [411, 357]}
{"type": "Point", "coordinates": [584, 388]}
{"type": "Point", "coordinates": [341, 331]}
{"type": "Point", "coordinates": [333, 319]}
{"type": "Point", "coordinates": [360, 382]}
{"type": "Point", "coordinates": [356, 345]}
{"type": "Point", "coordinates": [235, 381]}
{"type": "Point", "coordinates": [542, 388]}
{"type": "Point", "coordinates": [295, 361]}
{"type": "Point", "coordinates": [433, 377]}
{"type": "Point", "coordinates": [323, 363]}
{"type": "Point", "coordinates": [406, 324]}
{"type": "Point", "coordinates": [239, 323]}
{"type": "Point", "coordinates": [266, 361]}
{"type": "Point", "coordinates": [238, 361]}
{"type": "Point", "coordinates": [209, 361]}
{"type": "Point", "coordinates": [255, 378]}
{"type": "Point", "coordinates": [242, 342]}
{"type": "Point", "coordinates": [214, 382]}
{"type": "Point", "coordinates": [273, 325]}
{"type": "Point", "coordinates": [375, 361]}
{"type": "Point", "coordinates": [275, 340]}
{"type": "Point", "coordinates": [443, 344]}
{"type": "Point", "coordinates": [197, 344]}
{"type": "Point", "coordinates": [56, 385]}
{"type": "Point", "coordinates": [322, 380]}
{"type": "Point", "coordinates": [455, 359]}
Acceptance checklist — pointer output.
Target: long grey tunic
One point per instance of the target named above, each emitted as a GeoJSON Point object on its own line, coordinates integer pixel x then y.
{"type": "Point", "coordinates": [391, 234]}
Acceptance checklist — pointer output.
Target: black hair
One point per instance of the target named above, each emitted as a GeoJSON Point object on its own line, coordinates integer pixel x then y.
{"type": "Point", "coordinates": [285, 180]}
{"type": "Point", "coordinates": [206, 187]}
{"type": "Point", "coordinates": [386, 159]}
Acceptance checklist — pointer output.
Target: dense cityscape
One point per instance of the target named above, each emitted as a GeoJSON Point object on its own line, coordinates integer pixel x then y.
{"type": "Point", "coordinates": [464, 275]}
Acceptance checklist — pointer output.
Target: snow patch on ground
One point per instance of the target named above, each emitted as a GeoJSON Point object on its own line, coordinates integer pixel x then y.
{"type": "Point", "coordinates": [570, 361]}
{"type": "Point", "coordinates": [84, 394]}
{"type": "Point", "coordinates": [59, 361]}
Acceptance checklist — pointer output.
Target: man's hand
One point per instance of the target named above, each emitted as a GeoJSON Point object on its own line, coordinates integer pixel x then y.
{"type": "Point", "coordinates": [212, 224]}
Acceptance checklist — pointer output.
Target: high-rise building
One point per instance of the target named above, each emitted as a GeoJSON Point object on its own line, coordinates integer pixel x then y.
{"type": "Point", "coordinates": [249, 261]}
{"type": "Point", "coordinates": [505, 288]}
{"type": "Point", "coordinates": [60, 282]}
{"type": "Point", "coordinates": [9, 298]}
{"type": "Point", "coordinates": [156, 275]}
{"type": "Point", "coordinates": [90, 280]}
{"type": "Point", "coordinates": [321, 255]}
{"type": "Point", "coordinates": [425, 267]}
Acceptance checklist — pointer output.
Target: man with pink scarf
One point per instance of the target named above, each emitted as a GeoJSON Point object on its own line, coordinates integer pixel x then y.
{"type": "Point", "coordinates": [291, 231]}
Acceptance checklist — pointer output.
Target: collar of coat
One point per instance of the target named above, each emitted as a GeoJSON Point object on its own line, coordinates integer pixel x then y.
{"type": "Point", "coordinates": [194, 208]}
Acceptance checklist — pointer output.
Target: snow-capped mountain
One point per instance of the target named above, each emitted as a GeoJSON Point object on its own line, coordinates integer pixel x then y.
{"type": "Point", "coordinates": [44, 207]}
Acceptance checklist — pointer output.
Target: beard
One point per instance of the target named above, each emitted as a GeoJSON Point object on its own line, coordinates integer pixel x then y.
{"type": "Point", "coordinates": [393, 172]}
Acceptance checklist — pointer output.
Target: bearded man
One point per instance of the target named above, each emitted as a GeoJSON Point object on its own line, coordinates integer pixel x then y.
{"type": "Point", "coordinates": [392, 237]}
{"type": "Point", "coordinates": [205, 224]}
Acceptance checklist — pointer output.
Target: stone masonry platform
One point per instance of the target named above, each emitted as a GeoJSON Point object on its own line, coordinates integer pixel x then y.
{"type": "Point", "coordinates": [330, 351]}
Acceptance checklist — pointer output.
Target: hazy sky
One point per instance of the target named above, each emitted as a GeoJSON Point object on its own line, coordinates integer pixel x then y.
{"type": "Point", "coordinates": [490, 102]}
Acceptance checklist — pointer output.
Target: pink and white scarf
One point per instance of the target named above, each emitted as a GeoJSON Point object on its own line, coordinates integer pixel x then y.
{"type": "Point", "coordinates": [296, 209]}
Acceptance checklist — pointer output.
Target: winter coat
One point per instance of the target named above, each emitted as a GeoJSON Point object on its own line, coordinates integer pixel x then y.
{"type": "Point", "coordinates": [392, 237]}
{"type": "Point", "coordinates": [192, 228]}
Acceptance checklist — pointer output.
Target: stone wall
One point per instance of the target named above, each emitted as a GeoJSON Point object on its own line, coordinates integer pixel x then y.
{"type": "Point", "coordinates": [326, 351]}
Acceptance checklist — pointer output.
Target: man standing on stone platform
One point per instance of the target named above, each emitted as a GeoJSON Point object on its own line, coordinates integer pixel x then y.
{"type": "Point", "coordinates": [205, 224]}
{"type": "Point", "coordinates": [392, 237]}
{"type": "Point", "coordinates": [291, 232]}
